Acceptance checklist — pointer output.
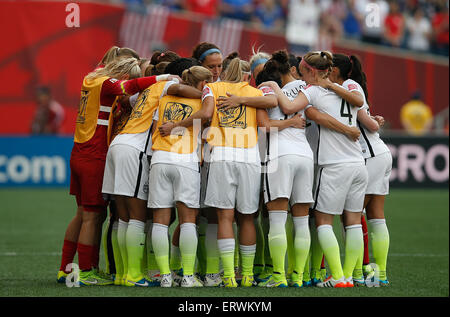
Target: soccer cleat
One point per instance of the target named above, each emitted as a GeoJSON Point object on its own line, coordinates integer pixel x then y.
{"type": "Point", "coordinates": [264, 276]}
{"type": "Point", "coordinates": [349, 282]}
{"type": "Point", "coordinates": [383, 283]}
{"type": "Point", "coordinates": [141, 283]}
{"type": "Point", "coordinates": [166, 280]}
{"type": "Point", "coordinates": [61, 277]}
{"type": "Point", "coordinates": [272, 283]}
{"type": "Point", "coordinates": [177, 277]}
{"type": "Point", "coordinates": [359, 282]}
{"type": "Point", "coordinates": [367, 270]}
{"type": "Point", "coordinates": [212, 280]}
{"type": "Point", "coordinates": [297, 284]}
{"type": "Point", "coordinates": [332, 283]}
{"type": "Point", "coordinates": [190, 281]}
{"type": "Point", "coordinates": [315, 281]}
{"type": "Point", "coordinates": [89, 278]}
{"type": "Point", "coordinates": [248, 281]}
{"type": "Point", "coordinates": [229, 282]}
{"type": "Point", "coordinates": [117, 280]}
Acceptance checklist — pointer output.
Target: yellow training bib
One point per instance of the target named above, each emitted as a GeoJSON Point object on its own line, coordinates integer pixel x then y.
{"type": "Point", "coordinates": [236, 127]}
{"type": "Point", "coordinates": [172, 108]}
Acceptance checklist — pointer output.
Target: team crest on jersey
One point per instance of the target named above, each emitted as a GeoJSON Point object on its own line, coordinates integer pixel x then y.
{"type": "Point", "coordinates": [233, 118]}
{"type": "Point", "coordinates": [175, 111]}
{"type": "Point", "coordinates": [81, 116]}
{"type": "Point", "coordinates": [140, 104]}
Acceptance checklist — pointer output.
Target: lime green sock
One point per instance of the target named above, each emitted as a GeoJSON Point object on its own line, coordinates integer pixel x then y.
{"type": "Point", "coordinates": [160, 241]}
{"type": "Point", "coordinates": [380, 244]}
{"type": "Point", "coordinates": [316, 250]}
{"type": "Point", "coordinates": [291, 257]}
{"type": "Point", "coordinates": [265, 225]}
{"type": "Point", "coordinates": [212, 251]}
{"type": "Point", "coordinates": [188, 247]}
{"type": "Point", "coordinates": [354, 248]}
{"type": "Point", "coordinates": [258, 265]}
{"type": "Point", "coordinates": [302, 243]}
{"type": "Point", "coordinates": [135, 240]}
{"type": "Point", "coordinates": [330, 247]}
{"type": "Point", "coordinates": [121, 241]}
{"type": "Point", "coordinates": [358, 271]}
{"type": "Point", "coordinates": [226, 251]}
{"type": "Point", "coordinates": [201, 249]}
{"type": "Point", "coordinates": [278, 242]}
{"type": "Point", "coordinates": [116, 250]}
{"type": "Point", "coordinates": [247, 257]}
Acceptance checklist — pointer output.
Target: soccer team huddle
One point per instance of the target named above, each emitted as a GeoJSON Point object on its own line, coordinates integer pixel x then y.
{"type": "Point", "coordinates": [248, 161]}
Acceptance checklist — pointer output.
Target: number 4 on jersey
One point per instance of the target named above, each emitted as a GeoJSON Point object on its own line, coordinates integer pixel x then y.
{"type": "Point", "coordinates": [348, 113]}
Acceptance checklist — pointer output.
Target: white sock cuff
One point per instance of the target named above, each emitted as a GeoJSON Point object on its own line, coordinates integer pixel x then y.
{"type": "Point", "coordinates": [247, 249]}
{"type": "Point", "coordinates": [136, 224]}
{"type": "Point", "coordinates": [376, 221]}
{"type": "Point", "coordinates": [226, 245]}
{"type": "Point", "coordinates": [122, 224]}
{"type": "Point", "coordinates": [354, 227]}
{"type": "Point", "coordinates": [188, 226]}
{"type": "Point", "coordinates": [324, 227]}
{"type": "Point", "coordinates": [160, 226]}
{"type": "Point", "coordinates": [301, 221]}
{"type": "Point", "coordinates": [115, 225]}
{"type": "Point", "coordinates": [278, 217]}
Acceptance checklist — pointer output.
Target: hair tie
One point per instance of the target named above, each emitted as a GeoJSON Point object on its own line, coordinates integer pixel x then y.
{"type": "Point", "coordinates": [209, 52]}
{"type": "Point", "coordinates": [256, 63]}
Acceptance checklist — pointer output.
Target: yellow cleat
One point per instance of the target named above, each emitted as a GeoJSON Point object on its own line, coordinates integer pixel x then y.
{"type": "Point", "coordinates": [61, 277]}
{"type": "Point", "coordinates": [248, 281]}
{"type": "Point", "coordinates": [229, 282]}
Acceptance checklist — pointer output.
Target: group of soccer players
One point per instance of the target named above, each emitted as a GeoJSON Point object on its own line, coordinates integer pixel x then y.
{"type": "Point", "coordinates": [253, 159]}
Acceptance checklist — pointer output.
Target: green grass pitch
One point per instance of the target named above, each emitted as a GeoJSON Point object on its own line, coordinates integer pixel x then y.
{"type": "Point", "coordinates": [33, 222]}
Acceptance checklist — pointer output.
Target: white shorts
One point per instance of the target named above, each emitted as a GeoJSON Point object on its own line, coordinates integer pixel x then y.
{"type": "Point", "coordinates": [379, 170]}
{"type": "Point", "coordinates": [293, 179]}
{"type": "Point", "coordinates": [171, 183]}
{"type": "Point", "coordinates": [126, 172]}
{"type": "Point", "coordinates": [341, 187]}
{"type": "Point", "coordinates": [233, 185]}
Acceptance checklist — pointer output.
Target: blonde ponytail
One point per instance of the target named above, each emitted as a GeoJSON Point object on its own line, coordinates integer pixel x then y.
{"type": "Point", "coordinates": [118, 68]}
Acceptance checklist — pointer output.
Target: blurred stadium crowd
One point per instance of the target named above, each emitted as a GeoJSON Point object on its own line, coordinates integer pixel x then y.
{"type": "Point", "coordinates": [418, 25]}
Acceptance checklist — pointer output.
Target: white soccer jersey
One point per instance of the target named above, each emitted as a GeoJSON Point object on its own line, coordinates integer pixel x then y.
{"type": "Point", "coordinates": [371, 143]}
{"type": "Point", "coordinates": [290, 140]}
{"type": "Point", "coordinates": [334, 147]}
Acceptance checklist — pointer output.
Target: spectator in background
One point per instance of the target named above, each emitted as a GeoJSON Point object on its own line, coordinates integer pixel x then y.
{"type": "Point", "coordinates": [394, 26]}
{"type": "Point", "coordinates": [302, 29]}
{"type": "Point", "coordinates": [352, 21]}
{"type": "Point", "coordinates": [419, 31]}
{"type": "Point", "coordinates": [237, 9]}
{"type": "Point", "coordinates": [268, 15]}
{"type": "Point", "coordinates": [331, 26]}
{"type": "Point", "coordinates": [49, 113]}
{"type": "Point", "coordinates": [440, 29]}
{"type": "Point", "coordinates": [416, 117]}
{"type": "Point", "coordinates": [205, 7]}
